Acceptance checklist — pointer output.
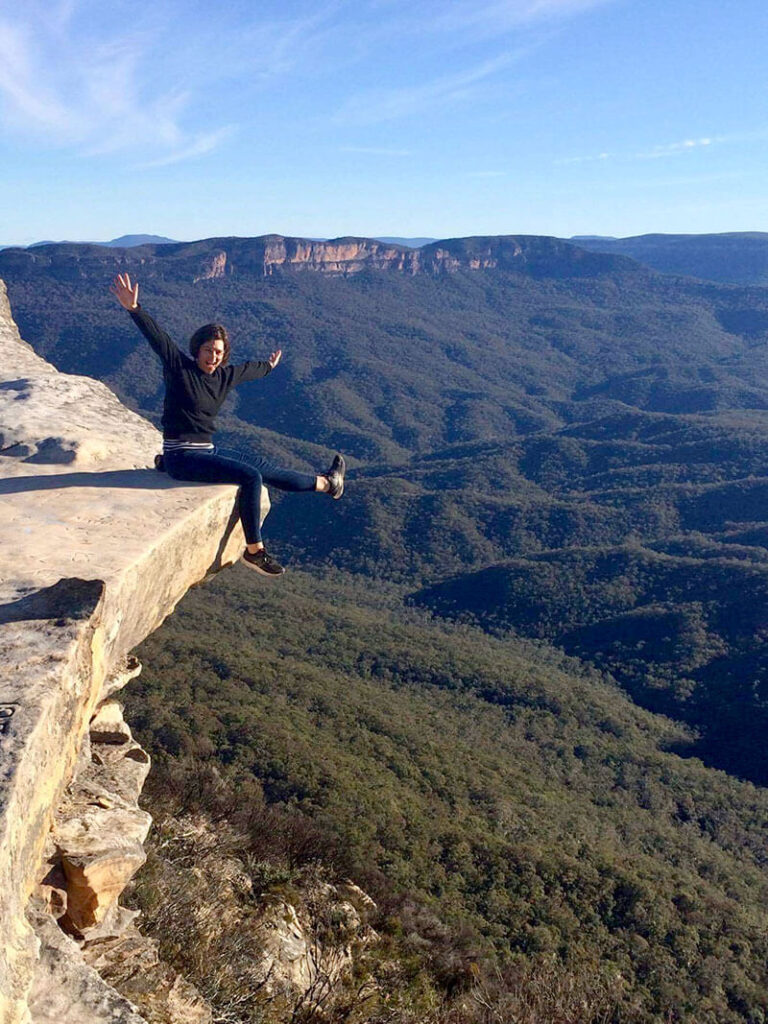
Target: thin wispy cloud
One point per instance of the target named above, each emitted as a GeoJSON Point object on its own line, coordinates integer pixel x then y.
{"type": "Point", "coordinates": [70, 79]}
{"type": "Point", "coordinates": [506, 15]}
{"type": "Point", "coordinates": [257, 49]}
{"type": "Point", "coordinates": [28, 100]}
{"type": "Point", "coordinates": [379, 105]}
{"type": "Point", "coordinates": [200, 147]}
{"type": "Point", "coordinates": [592, 158]}
{"type": "Point", "coordinates": [469, 23]}
{"type": "Point", "coordinates": [442, 29]}
{"type": "Point", "coordinates": [669, 149]}
{"type": "Point", "coordinates": [62, 84]}
{"type": "Point", "coordinates": [673, 148]}
{"type": "Point", "coordinates": [100, 81]}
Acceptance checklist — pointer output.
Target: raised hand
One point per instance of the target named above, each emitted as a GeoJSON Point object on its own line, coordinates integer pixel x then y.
{"type": "Point", "coordinates": [127, 294]}
{"type": "Point", "coordinates": [275, 358]}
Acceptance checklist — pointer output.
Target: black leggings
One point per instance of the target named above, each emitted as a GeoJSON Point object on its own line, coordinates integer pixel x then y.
{"type": "Point", "coordinates": [222, 466]}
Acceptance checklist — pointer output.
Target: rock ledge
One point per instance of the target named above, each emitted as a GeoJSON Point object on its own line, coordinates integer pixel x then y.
{"type": "Point", "coordinates": [96, 550]}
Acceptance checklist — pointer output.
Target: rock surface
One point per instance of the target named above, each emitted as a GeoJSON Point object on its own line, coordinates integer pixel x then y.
{"type": "Point", "coordinates": [108, 724]}
{"type": "Point", "coordinates": [95, 551]}
{"type": "Point", "coordinates": [306, 954]}
{"type": "Point", "coordinates": [131, 965]}
{"type": "Point", "coordinates": [99, 831]}
{"type": "Point", "coordinates": [54, 418]}
{"type": "Point", "coordinates": [65, 990]}
{"type": "Point", "coordinates": [250, 947]}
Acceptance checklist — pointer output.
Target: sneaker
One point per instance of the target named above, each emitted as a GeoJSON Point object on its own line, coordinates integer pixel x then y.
{"type": "Point", "coordinates": [262, 562]}
{"type": "Point", "coordinates": [336, 477]}
{"type": "Point", "coordinates": [159, 463]}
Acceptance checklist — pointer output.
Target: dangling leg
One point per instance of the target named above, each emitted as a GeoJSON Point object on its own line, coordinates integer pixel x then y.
{"type": "Point", "coordinates": [224, 467]}
{"type": "Point", "coordinates": [217, 468]}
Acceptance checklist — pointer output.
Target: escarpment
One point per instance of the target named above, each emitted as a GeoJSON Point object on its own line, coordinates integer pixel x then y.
{"type": "Point", "coordinates": [96, 549]}
{"type": "Point", "coordinates": [271, 255]}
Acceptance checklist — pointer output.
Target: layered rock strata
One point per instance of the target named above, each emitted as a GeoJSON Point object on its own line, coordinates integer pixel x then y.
{"type": "Point", "coordinates": [97, 965]}
{"type": "Point", "coordinates": [96, 549]}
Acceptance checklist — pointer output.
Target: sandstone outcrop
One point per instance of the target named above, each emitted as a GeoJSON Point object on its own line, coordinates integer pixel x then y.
{"type": "Point", "coordinates": [339, 256]}
{"type": "Point", "coordinates": [214, 266]}
{"type": "Point", "coordinates": [252, 946]}
{"type": "Point", "coordinates": [94, 848]}
{"type": "Point", "coordinates": [96, 549]}
{"type": "Point", "coordinates": [99, 831]}
{"type": "Point", "coordinates": [130, 964]}
{"type": "Point", "coordinates": [298, 958]}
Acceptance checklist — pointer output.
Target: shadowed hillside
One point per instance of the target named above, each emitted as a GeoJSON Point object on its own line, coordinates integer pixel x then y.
{"type": "Point", "coordinates": [684, 632]}
{"type": "Point", "coordinates": [734, 257]}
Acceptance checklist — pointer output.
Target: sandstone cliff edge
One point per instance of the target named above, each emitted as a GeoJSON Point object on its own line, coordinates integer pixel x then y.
{"type": "Point", "coordinates": [96, 549]}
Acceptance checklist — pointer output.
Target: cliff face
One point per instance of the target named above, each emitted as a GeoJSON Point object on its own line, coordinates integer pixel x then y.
{"type": "Point", "coordinates": [272, 254]}
{"type": "Point", "coordinates": [96, 549]}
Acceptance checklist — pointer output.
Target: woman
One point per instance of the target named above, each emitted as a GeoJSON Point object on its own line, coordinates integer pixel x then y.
{"type": "Point", "coordinates": [194, 391]}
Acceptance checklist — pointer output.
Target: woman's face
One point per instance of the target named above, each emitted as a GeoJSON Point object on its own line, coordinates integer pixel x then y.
{"type": "Point", "coordinates": [210, 355]}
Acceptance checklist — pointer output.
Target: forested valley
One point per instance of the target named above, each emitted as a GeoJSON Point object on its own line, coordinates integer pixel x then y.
{"type": "Point", "coordinates": [514, 683]}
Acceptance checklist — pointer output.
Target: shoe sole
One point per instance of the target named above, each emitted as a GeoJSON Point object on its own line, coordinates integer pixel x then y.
{"type": "Point", "coordinates": [343, 467]}
{"type": "Point", "coordinates": [262, 572]}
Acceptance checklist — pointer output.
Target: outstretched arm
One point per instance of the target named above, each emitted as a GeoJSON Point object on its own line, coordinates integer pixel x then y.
{"type": "Point", "coordinates": [127, 294]}
{"type": "Point", "coordinates": [254, 368]}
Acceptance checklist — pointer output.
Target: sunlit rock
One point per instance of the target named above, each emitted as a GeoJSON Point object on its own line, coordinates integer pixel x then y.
{"type": "Point", "coordinates": [96, 550]}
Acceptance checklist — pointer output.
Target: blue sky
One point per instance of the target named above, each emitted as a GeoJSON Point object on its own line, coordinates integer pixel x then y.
{"type": "Point", "coordinates": [381, 117]}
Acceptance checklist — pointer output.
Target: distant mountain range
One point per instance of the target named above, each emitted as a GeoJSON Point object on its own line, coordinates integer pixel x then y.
{"type": "Point", "coordinates": [130, 241]}
{"type": "Point", "coordinates": [412, 243]}
{"type": "Point", "coordinates": [739, 257]}
{"type": "Point", "coordinates": [123, 242]}
{"type": "Point", "coordinates": [729, 258]}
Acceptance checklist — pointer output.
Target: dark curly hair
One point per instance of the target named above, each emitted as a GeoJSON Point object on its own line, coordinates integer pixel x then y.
{"type": "Point", "coordinates": [210, 332]}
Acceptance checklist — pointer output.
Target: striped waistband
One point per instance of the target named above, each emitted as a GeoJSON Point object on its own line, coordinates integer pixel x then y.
{"type": "Point", "coordinates": [183, 446]}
